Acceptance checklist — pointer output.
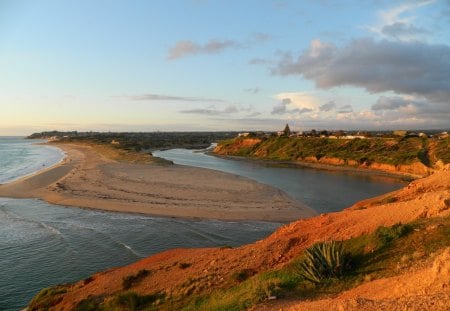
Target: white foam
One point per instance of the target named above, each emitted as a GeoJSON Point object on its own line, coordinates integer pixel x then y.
{"type": "Point", "coordinates": [20, 158]}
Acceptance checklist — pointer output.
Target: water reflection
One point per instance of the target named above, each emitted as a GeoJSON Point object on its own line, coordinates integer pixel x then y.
{"type": "Point", "coordinates": [323, 190]}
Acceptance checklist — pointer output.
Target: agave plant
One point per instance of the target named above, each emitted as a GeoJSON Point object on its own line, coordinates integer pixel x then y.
{"type": "Point", "coordinates": [323, 261]}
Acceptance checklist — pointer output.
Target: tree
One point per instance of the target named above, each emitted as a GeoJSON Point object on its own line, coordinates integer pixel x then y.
{"type": "Point", "coordinates": [287, 130]}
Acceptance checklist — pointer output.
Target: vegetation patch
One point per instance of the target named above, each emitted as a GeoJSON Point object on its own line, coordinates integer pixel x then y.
{"type": "Point", "coordinates": [47, 298]}
{"type": "Point", "coordinates": [132, 301]}
{"type": "Point", "coordinates": [324, 261]}
{"type": "Point", "coordinates": [442, 150]}
{"type": "Point", "coordinates": [392, 151]}
{"type": "Point", "coordinates": [387, 234]}
{"type": "Point", "coordinates": [128, 301]}
{"type": "Point", "coordinates": [242, 275]}
{"type": "Point", "coordinates": [184, 265]}
{"type": "Point", "coordinates": [131, 280]}
{"type": "Point", "coordinates": [383, 253]}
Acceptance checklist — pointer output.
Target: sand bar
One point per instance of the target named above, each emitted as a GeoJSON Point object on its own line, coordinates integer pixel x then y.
{"type": "Point", "coordinates": [87, 179]}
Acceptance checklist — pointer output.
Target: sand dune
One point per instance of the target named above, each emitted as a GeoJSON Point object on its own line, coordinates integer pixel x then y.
{"type": "Point", "coordinates": [88, 179]}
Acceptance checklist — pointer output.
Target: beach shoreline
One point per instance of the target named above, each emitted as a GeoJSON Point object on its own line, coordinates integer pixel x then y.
{"type": "Point", "coordinates": [86, 178]}
{"type": "Point", "coordinates": [47, 163]}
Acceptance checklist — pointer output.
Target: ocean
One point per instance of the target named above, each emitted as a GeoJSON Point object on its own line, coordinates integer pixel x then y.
{"type": "Point", "coordinates": [21, 157]}
{"type": "Point", "coordinates": [43, 244]}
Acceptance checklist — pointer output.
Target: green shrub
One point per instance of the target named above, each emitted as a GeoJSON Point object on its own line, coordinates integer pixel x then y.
{"type": "Point", "coordinates": [184, 265]}
{"type": "Point", "coordinates": [324, 261]}
{"type": "Point", "coordinates": [89, 304]}
{"type": "Point", "coordinates": [47, 298]}
{"type": "Point", "coordinates": [131, 280]}
{"type": "Point", "coordinates": [386, 235]}
{"type": "Point", "coordinates": [133, 301]}
{"type": "Point", "coordinates": [242, 275]}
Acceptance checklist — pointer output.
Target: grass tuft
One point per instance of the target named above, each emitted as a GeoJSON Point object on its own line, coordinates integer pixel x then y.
{"type": "Point", "coordinates": [242, 275]}
{"type": "Point", "coordinates": [47, 298]}
{"type": "Point", "coordinates": [131, 280]}
{"type": "Point", "coordinates": [184, 265]}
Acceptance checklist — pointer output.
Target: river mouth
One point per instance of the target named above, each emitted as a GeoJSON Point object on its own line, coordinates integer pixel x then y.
{"type": "Point", "coordinates": [45, 244]}
{"type": "Point", "coordinates": [324, 191]}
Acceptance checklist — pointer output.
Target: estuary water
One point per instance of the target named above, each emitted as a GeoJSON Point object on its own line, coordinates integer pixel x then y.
{"type": "Point", "coordinates": [323, 190]}
{"type": "Point", "coordinates": [43, 245]}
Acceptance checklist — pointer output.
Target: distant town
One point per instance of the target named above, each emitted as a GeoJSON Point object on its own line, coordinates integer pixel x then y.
{"type": "Point", "coordinates": [340, 134]}
{"type": "Point", "coordinates": [201, 139]}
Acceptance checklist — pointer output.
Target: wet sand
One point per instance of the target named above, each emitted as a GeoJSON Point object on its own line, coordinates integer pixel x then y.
{"type": "Point", "coordinates": [88, 179]}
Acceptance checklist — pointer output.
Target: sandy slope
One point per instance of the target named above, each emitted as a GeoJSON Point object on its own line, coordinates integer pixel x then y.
{"type": "Point", "coordinates": [424, 288]}
{"type": "Point", "coordinates": [88, 179]}
{"type": "Point", "coordinates": [213, 267]}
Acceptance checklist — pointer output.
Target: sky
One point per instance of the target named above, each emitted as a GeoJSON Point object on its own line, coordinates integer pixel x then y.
{"type": "Point", "coordinates": [201, 65]}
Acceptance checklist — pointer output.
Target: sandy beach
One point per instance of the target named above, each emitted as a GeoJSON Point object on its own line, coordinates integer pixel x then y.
{"type": "Point", "coordinates": [88, 179]}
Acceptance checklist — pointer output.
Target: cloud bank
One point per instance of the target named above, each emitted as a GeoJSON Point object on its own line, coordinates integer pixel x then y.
{"type": "Point", "coordinates": [377, 66]}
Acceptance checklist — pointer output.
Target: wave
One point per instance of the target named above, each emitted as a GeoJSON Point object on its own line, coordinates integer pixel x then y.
{"type": "Point", "coordinates": [130, 249]}
{"type": "Point", "coordinates": [21, 158]}
{"type": "Point", "coordinates": [11, 216]}
{"type": "Point", "coordinates": [50, 228]}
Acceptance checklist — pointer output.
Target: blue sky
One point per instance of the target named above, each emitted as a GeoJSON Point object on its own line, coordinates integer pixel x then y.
{"type": "Point", "coordinates": [223, 65]}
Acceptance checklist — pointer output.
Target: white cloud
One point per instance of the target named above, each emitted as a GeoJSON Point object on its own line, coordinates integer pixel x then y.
{"type": "Point", "coordinates": [403, 31]}
{"type": "Point", "coordinates": [328, 106]}
{"type": "Point", "coordinates": [212, 111]}
{"type": "Point", "coordinates": [299, 100]}
{"type": "Point", "coordinates": [159, 97]}
{"type": "Point", "coordinates": [185, 48]}
{"type": "Point", "coordinates": [397, 22]}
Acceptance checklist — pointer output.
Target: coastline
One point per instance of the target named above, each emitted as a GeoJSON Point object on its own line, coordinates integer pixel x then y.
{"type": "Point", "coordinates": [45, 166]}
{"type": "Point", "coordinates": [87, 178]}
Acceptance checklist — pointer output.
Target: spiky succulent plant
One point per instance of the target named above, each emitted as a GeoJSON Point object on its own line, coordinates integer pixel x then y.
{"type": "Point", "coordinates": [323, 261]}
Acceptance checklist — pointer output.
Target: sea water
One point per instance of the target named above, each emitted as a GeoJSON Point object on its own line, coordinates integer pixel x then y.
{"type": "Point", "coordinates": [43, 245]}
{"type": "Point", "coordinates": [20, 157]}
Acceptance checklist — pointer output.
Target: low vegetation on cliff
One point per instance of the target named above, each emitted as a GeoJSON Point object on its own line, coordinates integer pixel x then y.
{"type": "Point", "coordinates": [391, 152]}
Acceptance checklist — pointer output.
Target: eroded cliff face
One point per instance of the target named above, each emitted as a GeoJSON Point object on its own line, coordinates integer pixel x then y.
{"type": "Point", "coordinates": [237, 146]}
{"type": "Point", "coordinates": [417, 169]}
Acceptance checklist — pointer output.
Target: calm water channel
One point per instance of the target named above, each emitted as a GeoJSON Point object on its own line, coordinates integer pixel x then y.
{"type": "Point", "coordinates": [322, 190]}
